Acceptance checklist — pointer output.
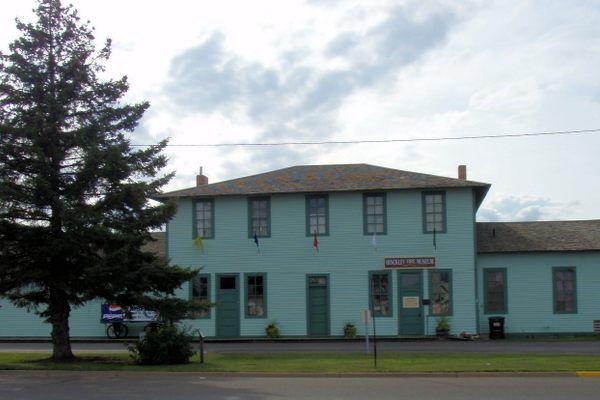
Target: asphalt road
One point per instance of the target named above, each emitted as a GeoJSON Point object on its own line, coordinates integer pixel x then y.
{"type": "Point", "coordinates": [481, 346]}
{"type": "Point", "coordinates": [33, 385]}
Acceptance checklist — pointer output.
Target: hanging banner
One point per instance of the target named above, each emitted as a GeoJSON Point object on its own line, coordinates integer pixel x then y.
{"type": "Point", "coordinates": [115, 313]}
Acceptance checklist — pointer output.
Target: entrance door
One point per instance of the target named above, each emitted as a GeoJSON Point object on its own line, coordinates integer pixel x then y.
{"type": "Point", "coordinates": [228, 306]}
{"type": "Point", "coordinates": [411, 310]}
{"type": "Point", "coordinates": [318, 305]}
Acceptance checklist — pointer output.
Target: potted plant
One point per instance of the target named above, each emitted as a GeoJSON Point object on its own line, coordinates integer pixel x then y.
{"type": "Point", "coordinates": [349, 330]}
{"type": "Point", "coordinates": [272, 330]}
{"type": "Point", "coordinates": [443, 327]}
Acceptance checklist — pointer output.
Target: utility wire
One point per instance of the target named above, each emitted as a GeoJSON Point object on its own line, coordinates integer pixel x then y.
{"type": "Point", "coordinates": [439, 139]}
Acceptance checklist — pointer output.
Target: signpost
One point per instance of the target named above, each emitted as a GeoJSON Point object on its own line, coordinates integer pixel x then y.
{"type": "Point", "coordinates": [365, 316]}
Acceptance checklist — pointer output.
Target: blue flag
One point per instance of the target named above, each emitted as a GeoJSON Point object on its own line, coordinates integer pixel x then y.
{"type": "Point", "coordinates": [256, 242]}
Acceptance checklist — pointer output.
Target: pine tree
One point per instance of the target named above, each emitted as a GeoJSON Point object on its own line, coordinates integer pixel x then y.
{"type": "Point", "coordinates": [74, 194]}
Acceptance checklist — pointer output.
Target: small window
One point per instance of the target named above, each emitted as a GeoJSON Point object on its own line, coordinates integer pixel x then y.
{"type": "Point", "coordinates": [317, 281]}
{"type": "Point", "coordinates": [374, 214]}
{"type": "Point", "coordinates": [380, 294]}
{"type": "Point", "coordinates": [565, 294]}
{"type": "Point", "coordinates": [495, 291]}
{"type": "Point", "coordinates": [227, 282]}
{"type": "Point", "coordinates": [441, 292]}
{"type": "Point", "coordinates": [255, 296]}
{"type": "Point", "coordinates": [199, 291]}
{"type": "Point", "coordinates": [317, 219]}
{"type": "Point", "coordinates": [259, 211]}
{"type": "Point", "coordinates": [205, 217]}
{"type": "Point", "coordinates": [434, 210]}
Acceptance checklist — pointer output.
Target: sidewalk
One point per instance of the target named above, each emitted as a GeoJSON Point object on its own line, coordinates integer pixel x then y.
{"type": "Point", "coordinates": [587, 347]}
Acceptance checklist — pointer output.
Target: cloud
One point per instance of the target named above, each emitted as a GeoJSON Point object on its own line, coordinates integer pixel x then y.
{"type": "Point", "coordinates": [300, 100]}
{"type": "Point", "coordinates": [523, 208]}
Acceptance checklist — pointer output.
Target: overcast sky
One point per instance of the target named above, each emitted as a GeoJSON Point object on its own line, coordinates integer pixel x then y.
{"type": "Point", "coordinates": [327, 70]}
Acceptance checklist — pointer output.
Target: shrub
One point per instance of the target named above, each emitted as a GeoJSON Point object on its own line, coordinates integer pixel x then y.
{"type": "Point", "coordinates": [272, 330]}
{"type": "Point", "coordinates": [349, 330]}
{"type": "Point", "coordinates": [167, 345]}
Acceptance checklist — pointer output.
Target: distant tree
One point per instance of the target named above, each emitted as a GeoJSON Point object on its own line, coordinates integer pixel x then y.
{"type": "Point", "coordinates": [74, 209]}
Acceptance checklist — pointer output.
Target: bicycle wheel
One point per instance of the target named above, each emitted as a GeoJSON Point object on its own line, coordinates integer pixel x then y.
{"type": "Point", "coordinates": [115, 331]}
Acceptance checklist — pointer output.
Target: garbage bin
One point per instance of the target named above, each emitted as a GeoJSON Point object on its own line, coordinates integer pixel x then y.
{"type": "Point", "coordinates": [496, 327]}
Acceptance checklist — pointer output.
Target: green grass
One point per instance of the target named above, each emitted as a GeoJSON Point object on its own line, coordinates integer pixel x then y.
{"type": "Point", "coordinates": [317, 363]}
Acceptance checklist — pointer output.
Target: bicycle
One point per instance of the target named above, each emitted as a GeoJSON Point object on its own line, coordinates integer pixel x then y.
{"type": "Point", "coordinates": [116, 330]}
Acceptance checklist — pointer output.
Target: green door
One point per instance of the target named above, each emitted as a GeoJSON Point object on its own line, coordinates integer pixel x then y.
{"type": "Point", "coordinates": [411, 309]}
{"type": "Point", "coordinates": [228, 306]}
{"type": "Point", "coordinates": [318, 305]}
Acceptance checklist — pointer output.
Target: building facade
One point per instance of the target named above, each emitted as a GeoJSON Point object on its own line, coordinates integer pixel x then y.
{"type": "Point", "coordinates": [311, 247]}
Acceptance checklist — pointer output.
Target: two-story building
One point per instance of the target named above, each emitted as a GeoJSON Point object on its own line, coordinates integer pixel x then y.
{"type": "Point", "coordinates": [311, 247]}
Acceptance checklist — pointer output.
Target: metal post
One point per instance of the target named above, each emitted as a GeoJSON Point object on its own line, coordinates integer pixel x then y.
{"type": "Point", "coordinates": [374, 341]}
{"type": "Point", "coordinates": [201, 348]}
{"type": "Point", "coordinates": [367, 336]}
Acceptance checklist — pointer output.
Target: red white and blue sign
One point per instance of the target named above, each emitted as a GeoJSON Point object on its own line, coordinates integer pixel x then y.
{"type": "Point", "coordinates": [116, 313]}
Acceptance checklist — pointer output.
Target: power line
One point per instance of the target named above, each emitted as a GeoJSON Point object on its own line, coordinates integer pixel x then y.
{"type": "Point", "coordinates": [439, 139]}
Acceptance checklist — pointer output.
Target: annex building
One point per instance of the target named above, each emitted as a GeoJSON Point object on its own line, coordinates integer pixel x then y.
{"type": "Point", "coordinates": [310, 247]}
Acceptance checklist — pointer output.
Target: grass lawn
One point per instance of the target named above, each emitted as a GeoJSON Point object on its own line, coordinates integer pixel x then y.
{"type": "Point", "coordinates": [317, 363]}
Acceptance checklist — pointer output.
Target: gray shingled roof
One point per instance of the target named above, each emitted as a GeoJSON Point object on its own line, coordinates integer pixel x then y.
{"type": "Point", "coordinates": [327, 178]}
{"type": "Point", "coordinates": [514, 237]}
{"type": "Point", "coordinates": [159, 245]}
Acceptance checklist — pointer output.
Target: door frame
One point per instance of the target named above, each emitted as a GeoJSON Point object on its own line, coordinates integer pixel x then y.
{"type": "Point", "coordinates": [421, 306]}
{"type": "Point", "coordinates": [217, 297]}
{"type": "Point", "coordinates": [327, 306]}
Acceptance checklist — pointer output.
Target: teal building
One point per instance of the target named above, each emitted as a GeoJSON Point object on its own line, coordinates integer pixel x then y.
{"type": "Point", "coordinates": [311, 247]}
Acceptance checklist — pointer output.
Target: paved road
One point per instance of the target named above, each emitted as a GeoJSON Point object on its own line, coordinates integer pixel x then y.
{"type": "Point", "coordinates": [59, 385]}
{"type": "Point", "coordinates": [482, 346]}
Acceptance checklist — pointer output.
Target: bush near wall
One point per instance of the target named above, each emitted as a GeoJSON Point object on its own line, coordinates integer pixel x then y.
{"type": "Point", "coordinates": [168, 345]}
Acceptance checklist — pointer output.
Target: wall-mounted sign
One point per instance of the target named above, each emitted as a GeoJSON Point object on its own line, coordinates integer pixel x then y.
{"type": "Point", "coordinates": [115, 313]}
{"type": "Point", "coordinates": [409, 262]}
{"type": "Point", "coordinates": [410, 302]}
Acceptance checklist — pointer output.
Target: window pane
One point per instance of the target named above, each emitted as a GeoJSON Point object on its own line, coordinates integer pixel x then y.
{"type": "Point", "coordinates": [259, 217]}
{"type": "Point", "coordinates": [199, 292]}
{"type": "Point", "coordinates": [204, 223]}
{"type": "Point", "coordinates": [317, 215]}
{"type": "Point", "coordinates": [434, 212]}
{"type": "Point", "coordinates": [380, 294]}
{"type": "Point", "coordinates": [495, 292]}
{"type": "Point", "coordinates": [374, 214]}
{"type": "Point", "coordinates": [440, 293]}
{"type": "Point", "coordinates": [255, 296]}
{"type": "Point", "coordinates": [564, 290]}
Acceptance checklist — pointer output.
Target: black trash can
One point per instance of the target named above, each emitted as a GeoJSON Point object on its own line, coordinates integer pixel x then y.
{"type": "Point", "coordinates": [496, 327]}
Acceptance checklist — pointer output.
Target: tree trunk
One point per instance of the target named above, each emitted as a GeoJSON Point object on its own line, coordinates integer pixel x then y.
{"type": "Point", "coordinates": [60, 310]}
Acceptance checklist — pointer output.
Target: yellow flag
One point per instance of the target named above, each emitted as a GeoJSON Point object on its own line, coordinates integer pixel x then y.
{"type": "Point", "coordinates": [198, 241]}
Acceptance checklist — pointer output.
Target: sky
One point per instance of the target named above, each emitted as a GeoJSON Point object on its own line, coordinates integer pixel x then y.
{"type": "Point", "coordinates": [219, 72]}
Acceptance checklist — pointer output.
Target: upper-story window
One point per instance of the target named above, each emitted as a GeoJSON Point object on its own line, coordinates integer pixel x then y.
{"type": "Point", "coordinates": [205, 219]}
{"type": "Point", "coordinates": [374, 214]}
{"type": "Point", "coordinates": [259, 217]}
{"type": "Point", "coordinates": [317, 215]}
{"type": "Point", "coordinates": [434, 212]}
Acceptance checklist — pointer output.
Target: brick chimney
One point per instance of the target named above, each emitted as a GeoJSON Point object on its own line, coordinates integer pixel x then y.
{"type": "Point", "coordinates": [462, 172]}
{"type": "Point", "coordinates": [201, 179]}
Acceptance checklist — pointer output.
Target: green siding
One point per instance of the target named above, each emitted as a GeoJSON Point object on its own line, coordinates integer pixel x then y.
{"type": "Point", "coordinates": [346, 255]}
{"type": "Point", "coordinates": [530, 292]}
